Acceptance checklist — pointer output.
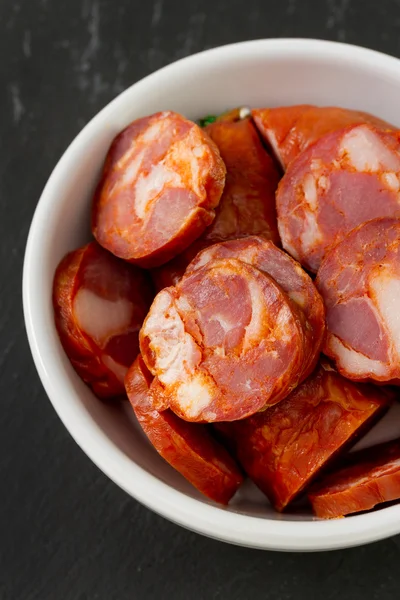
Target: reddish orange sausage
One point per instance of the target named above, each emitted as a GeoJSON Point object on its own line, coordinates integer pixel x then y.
{"type": "Point", "coordinates": [360, 283]}
{"type": "Point", "coordinates": [224, 343]}
{"type": "Point", "coordinates": [162, 180]}
{"type": "Point", "coordinates": [283, 448]}
{"type": "Point", "coordinates": [263, 254]}
{"type": "Point", "coordinates": [344, 179]}
{"type": "Point", "coordinates": [291, 129]}
{"type": "Point", "coordinates": [99, 304]}
{"type": "Point", "coordinates": [247, 205]}
{"type": "Point", "coordinates": [187, 447]}
{"type": "Point", "coordinates": [372, 477]}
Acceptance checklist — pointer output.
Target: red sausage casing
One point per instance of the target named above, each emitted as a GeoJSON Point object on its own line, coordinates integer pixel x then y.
{"type": "Point", "coordinates": [283, 448]}
{"type": "Point", "coordinates": [343, 180]}
{"type": "Point", "coordinates": [99, 304]}
{"type": "Point", "coordinates": [291, 129]}
{"type": "Point", "coordinates": [359, 281]}
{"type": "Point", "coordinates": [372, 477]}
{"type": "Point", "coordinates": [187, 447]}
{"type": "Point", "coordinates": [162, 179]}
{"type": "Point", "coordinates": [224, 343]}
{"type": "Point", "coordinates": [247, 205]}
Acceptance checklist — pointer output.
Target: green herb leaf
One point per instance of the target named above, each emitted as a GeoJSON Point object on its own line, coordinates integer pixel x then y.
{"type": "Point", "coordinates": [207, 120]}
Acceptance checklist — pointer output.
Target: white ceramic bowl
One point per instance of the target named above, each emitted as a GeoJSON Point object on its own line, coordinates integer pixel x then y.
{"type": "Point", "coordinates": [259, 73]}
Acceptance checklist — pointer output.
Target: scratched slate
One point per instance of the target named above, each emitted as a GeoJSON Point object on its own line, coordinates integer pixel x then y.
{"type": "Point", "coordinates": [66, 532]}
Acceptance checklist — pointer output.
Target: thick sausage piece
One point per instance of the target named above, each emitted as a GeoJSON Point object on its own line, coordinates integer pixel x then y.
{"type": "Point", "coordinates": [291, 129]}
{"type": "Point", "coordinates": [162, 179]}
{"type": "Point", "coordinates": [346, 178]}
{"type": "Point", "coordinates": [187, 447]}
{"type": "Point", "coordinates": [100, 303]}
{"type": "Point", "coordinates": [247, 205]}
{"type": "Point", "coordinates": [223, 344]}
{"type": "Point", "coordinates": [283, 448]}
{"type": "Point", "coordinates": [372, 477]}
{"type": "Point", "coordinates": [264, 255]}
{"type": "Point", "coordinates": [359, 281]}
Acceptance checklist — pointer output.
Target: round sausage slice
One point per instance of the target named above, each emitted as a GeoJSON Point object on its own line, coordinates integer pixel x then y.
{"type": "Point", "coordinates": [162, 179]}
{"type": "Point", "coordinates": [223, 344]}
{"type": "Point", "coordinates": [283, 448]}
{"type": "Point", "coordinates": [247, 205]}
{"type": "Point", "coordinates": [99, 304]}
{"type": "Point", "coordinates": [359, 281]}
{"type": "Point", "coordinates": [291, 129]}
{"type": "Point", "coordinates": [372, 477]}
{"type": "Point", "coordinates": [187, 447]}
{"type": "Point", "coordinates": [264, 255]}
{"type": "Point", "coordinates": [346, 178]}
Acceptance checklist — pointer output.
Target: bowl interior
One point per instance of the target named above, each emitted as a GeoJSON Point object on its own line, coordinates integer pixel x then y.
{"type": "Point", "coordinates": [264, 73]}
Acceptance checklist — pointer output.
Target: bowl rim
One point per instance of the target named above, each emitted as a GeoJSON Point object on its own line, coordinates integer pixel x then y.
{"type": "Point", "coordinates": [201, 517]}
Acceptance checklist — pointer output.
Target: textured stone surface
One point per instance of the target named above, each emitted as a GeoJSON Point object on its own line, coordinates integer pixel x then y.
{"type": "Point", "coordinates": [67, 532]}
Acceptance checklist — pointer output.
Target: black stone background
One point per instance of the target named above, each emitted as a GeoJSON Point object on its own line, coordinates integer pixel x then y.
{"type": "Point", "coordinates": [66, 531]}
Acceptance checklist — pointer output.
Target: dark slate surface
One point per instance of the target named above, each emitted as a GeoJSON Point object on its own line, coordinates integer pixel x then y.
{"type": "Point", "coordinates": [66, 532]}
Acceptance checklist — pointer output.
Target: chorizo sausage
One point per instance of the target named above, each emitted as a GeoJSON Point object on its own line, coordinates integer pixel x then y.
{"type": "Point", "coordinates": [283, 448]}
{"type": "Point", "coordinates": [359, 281]}
{"type": "Point", "coordinates": [291, 129]}
{"type": "Point", "coordinates": [346, 178]}
{"type": "Point", "coordinates": [247, 205]}
{"type": "Point", "coordinates": [223, 343]}
{"type": "Point", "coordinates": [187, 447]}
{"type": "Point", "coordinates": [264, 255]}
{"type": "Point", "coordinates": [99, 304]}
{"type": "Point", "coordinates": [372, 477]}
{"type": "Point", "coordinates": [162, 179]}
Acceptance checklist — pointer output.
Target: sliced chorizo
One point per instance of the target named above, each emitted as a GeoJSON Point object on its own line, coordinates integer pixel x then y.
{"type": "Point", "coordinates": [283, 448]}
{"type": "Point", "coordinates": [162, 180]}
{"type": "Point", "coordinates": [264, 255]}
{"type": "Point", "coordinates": [291, 129]}
{"type": "Point", "coordinates": [247, 205]}
{"type": "Point", "coordinates": [359, 281]}
{"type": "Point", "coordinates": [100, 303]}
{"type": "Point", "coordinates": [346, 178]}
{"type": "Point", "coordinates": [223, 343]}
{"type": "Point", "coordinates": [187, 447]}
{"type": "Point", "coordinates": [372, 477]}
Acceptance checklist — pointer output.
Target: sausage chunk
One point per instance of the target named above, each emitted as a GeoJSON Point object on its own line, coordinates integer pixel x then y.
{"type": "Point", "coordinates": [100, 303]}
{"type": "Point", "coordinates": [265, 256]}
{"type": "Point", "coordinates": [359, 281]}
{"type": "Point", "coordinates": [346, 178]}
{"type": "Point", "coordinates": [291, 129]}
{"type": "Point", "coordinates": [372, 477]}
{"type": "Point", "coordinates": [187, 447]}
{"type": "Point", "coordinates": [162, 179]}
{"type": "Point", "coordinates": [283, 448]}
{"type": "Point", "coordinates": [223, 344]}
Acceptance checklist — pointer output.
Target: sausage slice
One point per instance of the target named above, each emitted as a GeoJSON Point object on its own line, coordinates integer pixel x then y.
{"type": "Point", "coordinates": [265, 256]}
{"type": "Point", "coordinates": [359, 281]}
{"type": "Point", "coordinates": [162, 179]}
{"type": "Point", "coordinates": [346, 178]}
{"type": "Point", "coordinates": [283, 448]}
{"type": "Point", "coordinates": [223, 344]}
{"type": "Point", "coordinates": [291, 129]}
{"type": "Point", "coordinates": [187, 447]}
{"type": "Point", "coordinates": [372, 477]}
{"type": "Point", "coordinates": [99, 304]}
